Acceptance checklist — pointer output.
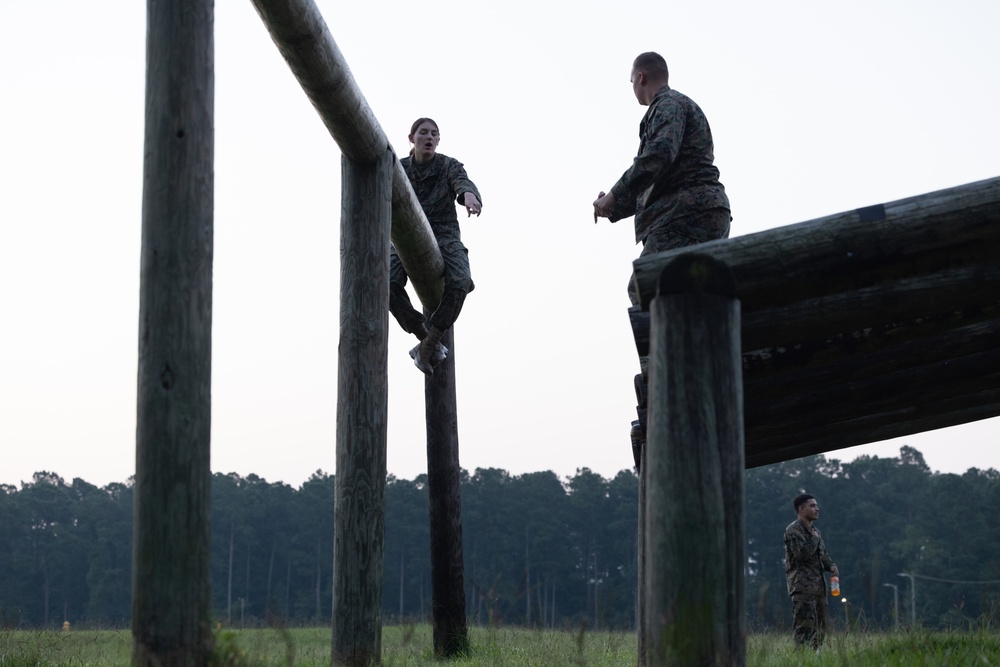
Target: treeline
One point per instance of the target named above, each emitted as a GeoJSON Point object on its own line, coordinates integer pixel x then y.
{"type": "Point", "coordinates": [539, 550]}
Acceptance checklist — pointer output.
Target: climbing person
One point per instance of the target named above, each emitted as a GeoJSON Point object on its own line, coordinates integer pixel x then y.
{"type": "Point", "coordinates": [672, 187]}
{"type": "Point", "coordinates": [439, 182]}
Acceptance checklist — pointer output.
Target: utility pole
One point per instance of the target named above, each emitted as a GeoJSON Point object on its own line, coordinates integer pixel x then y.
{"type": "Point", "coordinates": [913, 598]}
{"type": "Point", "coordinates": [895, 605]}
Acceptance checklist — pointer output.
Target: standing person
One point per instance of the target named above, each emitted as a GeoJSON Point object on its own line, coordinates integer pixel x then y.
{"type": "Point", "coordinates": [806, 559]}
{"type": "Point", "coordinates": [439, 182]}
{"type": "Point", "coordinates": [672, 187]}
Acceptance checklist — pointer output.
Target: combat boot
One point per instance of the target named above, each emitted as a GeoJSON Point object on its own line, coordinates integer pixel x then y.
{"type": "Point", "coordinates": [429, 352]}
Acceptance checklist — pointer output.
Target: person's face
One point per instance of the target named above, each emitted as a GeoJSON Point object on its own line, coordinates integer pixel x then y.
{"type": "Point", "coordinates": [425, 141]}
{"type": "Point", "coordinates": [809, 510]}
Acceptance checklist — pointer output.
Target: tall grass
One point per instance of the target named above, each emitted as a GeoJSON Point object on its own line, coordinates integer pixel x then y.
{"type": "Point", "coordinates": [411, 646]}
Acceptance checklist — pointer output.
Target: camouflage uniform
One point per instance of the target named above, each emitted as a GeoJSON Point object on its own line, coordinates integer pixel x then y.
{"type": "Point", "coordinates": [806, 559]}
{"type": "Point", "coordinates": [438, 184]}
{"type": "Point", "coordinates": [672, 187]}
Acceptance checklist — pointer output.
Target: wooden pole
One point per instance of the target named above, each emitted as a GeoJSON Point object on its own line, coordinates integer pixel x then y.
{"type": "Point", "coordinates": [445, 499]}
{"type": "Point", "coordinates": [641, 609]}
{"type": "Point", "coordinates": [694, 493]}
{"type": "Point", "coordinates": [171, 597]}
{"type": "Point", "coordinates": [303, 38]}
{"type": "Point", "coordinates": [362, 401]}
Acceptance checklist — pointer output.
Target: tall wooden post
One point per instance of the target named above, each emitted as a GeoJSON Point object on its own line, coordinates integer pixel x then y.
{"type": "Point", "coordinates": [445, 498]}
{"type": "Point", "coordinates": [303, 38]}
{"type": "Point", "coordinates": [695, 466]}
{"type": "Point", "coordinates": [641, 611]}
{"type": "Point", "coordinates": [171, 598]}
{"type": "Point", "coordinates": [362, 404]}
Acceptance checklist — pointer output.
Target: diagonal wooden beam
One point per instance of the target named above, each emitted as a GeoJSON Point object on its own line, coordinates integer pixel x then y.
{"type": "Point", "coordinates": [303, 38]}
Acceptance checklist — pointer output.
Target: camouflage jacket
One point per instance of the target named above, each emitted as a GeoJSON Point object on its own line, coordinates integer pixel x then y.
{"type": "Point", "coordinates": [673, 175]}
{"type": "Point", "coordinates": [806, 559]}
{"type": "Point", "coordinates": [439, 185]}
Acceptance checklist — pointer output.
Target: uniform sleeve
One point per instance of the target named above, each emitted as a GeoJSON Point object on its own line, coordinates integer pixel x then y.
{"type": "Point", "coordinates": [461, 183]}
{"type": "Point", "coordinates": [662, 137]}
{"type": "Point", "coordinates": [824, 558]}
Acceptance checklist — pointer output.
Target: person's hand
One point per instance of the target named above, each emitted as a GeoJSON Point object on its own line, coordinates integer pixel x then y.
{"type": "Point", "coordinates": [604, 205]}
{"type": "Point", "coordinates": [472, 204]}
{"type": "Point", "coordinates": [835, 571]}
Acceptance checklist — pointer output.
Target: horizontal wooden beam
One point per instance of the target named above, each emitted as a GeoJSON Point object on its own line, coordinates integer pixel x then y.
{"type": "Point", "coordinates": [954, 410]}
{"type": "Point", "coordinates": [863, 326]}
{"type": "Point", "coordinates": [852, 250]}
{"type": "Point", "coordinates": [852, 358]}
{"type": "Point", "coordinates": [843, 323]}
{"type": "Point", "coordinates": [303, 38]}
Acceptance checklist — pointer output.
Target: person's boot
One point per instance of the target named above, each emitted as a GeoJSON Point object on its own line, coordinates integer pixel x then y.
{"type": "Point", "coordinates": [429, 352]}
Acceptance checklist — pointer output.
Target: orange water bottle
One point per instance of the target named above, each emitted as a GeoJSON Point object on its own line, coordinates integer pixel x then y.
{"type": "Point", "coordinates": [834, 586]}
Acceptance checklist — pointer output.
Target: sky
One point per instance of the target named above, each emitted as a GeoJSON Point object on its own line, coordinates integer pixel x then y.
{"type": "Point", "coordinates": [815, 108]}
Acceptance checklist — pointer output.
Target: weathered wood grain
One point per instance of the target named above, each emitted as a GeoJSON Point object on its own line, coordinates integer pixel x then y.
{"type": "Point", "coordinates": [863, 326]}
{"type": "Point", "coordinates": [362, 411]}
{"type": "Point", "coordinates": [694, 464]}
{"type": "Point", "coordinates": [171, 594]}
{"type": "Point", "coordinates": [304, 40]}
{"type": "Point", "coordinates": [445, 499]}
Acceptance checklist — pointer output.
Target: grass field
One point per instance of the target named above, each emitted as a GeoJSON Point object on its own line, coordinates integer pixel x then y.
{"type": "Point", "coordinates": [410, 646]}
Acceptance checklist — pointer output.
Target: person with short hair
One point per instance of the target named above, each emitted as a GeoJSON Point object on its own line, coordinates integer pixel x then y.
{"type": "Point", "coordinates": [672, 187]}
{"type": "Point", "coordinates": [806, 559]}
{"type": "Point", "coordinates": [439, 182]}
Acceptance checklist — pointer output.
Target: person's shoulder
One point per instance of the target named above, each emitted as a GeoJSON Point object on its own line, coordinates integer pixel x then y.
{"type": "Point", "coordinates": [793, 527]}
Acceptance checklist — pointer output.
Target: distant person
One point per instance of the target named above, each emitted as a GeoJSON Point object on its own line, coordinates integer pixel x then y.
{"type": "Point", "coordinates": [439, 183]}
{"type": "Point", "coordinates": [806, 559]}
{"type": "Point", "coordinates": [672, 187]}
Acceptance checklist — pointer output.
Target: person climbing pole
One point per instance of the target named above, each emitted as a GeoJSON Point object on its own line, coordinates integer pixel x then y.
{"type": "Point", "coordinates": [439, 182]}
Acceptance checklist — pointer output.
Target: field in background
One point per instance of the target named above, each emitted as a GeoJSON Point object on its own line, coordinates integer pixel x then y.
{"type": "Point", "coordinates": [410, 646]}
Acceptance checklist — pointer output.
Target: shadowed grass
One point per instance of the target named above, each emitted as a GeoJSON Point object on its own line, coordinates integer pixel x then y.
{"type": "Point", "coordinates": [410, 645]}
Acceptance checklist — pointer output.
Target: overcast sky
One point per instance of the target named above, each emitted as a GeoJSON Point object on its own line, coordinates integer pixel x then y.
{"type": "Point", "coordinates": [816, 108]}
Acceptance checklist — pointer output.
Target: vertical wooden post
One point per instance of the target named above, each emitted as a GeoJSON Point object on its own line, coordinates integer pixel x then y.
{"type": "Point", "coordinates": [695, 466]}
{"type": "Point", "coordinates": [171, 598]}
{"type": "Point", "coordinates": [445, 495]}
{"type": "Point", "coordinates": [362, 404]}
{"type": "Point", "coordinates": [641, 611]}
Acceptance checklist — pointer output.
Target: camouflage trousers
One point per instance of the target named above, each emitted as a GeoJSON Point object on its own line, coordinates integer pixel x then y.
{"type": "Point", "coordinates": [690, 230]}
{"type": "Point", "coordinates": [457, 284]}
{"type": "Point", "coordinates": [810, 614]}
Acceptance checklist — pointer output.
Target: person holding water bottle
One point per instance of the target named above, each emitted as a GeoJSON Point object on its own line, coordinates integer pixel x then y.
{"type": "Point", "coordinates": [806, 559]}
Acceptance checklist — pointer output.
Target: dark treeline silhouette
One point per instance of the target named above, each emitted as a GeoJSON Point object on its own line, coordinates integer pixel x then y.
{"type": "Point", "coordinates": [539, 550]}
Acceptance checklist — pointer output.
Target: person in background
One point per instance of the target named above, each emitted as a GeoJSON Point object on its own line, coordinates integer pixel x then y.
{"type": "Point", "coordinates": [806, 559]}
{"type": "Point", "coordinates": [439, 182]}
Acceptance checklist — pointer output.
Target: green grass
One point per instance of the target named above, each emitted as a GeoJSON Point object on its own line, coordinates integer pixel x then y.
{"type": "Point", "coordinates": [905, 649]}
{"type": "Point", "coordinates": [411, 646]}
